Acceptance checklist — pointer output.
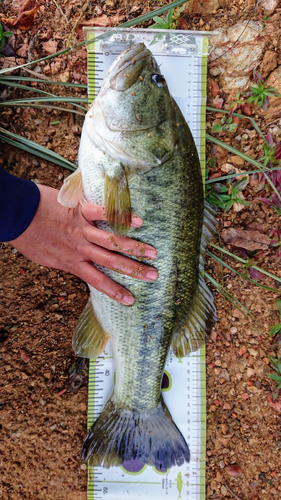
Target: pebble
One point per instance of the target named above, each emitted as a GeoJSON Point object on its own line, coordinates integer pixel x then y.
{"type": "Point", "coordinates": [233, 470]}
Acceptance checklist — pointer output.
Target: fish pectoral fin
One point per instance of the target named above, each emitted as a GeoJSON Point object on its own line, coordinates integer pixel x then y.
{"type": "Point", "coordinates": [202, 313]}
{"type": "Point", "coordinates": [71, 191]}
{"type": "Point", "coordinates": [117, 201]}
{"type": "Point", "coordinates": [89, 338]}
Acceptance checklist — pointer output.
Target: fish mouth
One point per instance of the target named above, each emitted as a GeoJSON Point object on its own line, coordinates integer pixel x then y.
{"type": "Point", "coordinates": [132, 55]}
{"type": "Point", "coordinates": [129, 67]}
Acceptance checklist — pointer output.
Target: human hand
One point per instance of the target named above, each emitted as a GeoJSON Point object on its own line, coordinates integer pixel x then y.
{"type": "Point", "coordinates": [67, 239]}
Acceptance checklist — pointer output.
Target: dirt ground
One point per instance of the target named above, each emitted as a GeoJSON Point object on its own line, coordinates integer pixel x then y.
{"type": "Point", "coordinates": [42, 422]}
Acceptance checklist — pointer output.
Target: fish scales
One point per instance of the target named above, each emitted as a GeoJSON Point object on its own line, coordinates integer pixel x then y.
{"type": "Point", "coordinates": [161, 171]}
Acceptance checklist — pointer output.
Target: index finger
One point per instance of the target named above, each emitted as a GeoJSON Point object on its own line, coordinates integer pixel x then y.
{"type": "Point", "coordinates": [120, 244]}
{"type": "Point", "coordinates": [93, 212]}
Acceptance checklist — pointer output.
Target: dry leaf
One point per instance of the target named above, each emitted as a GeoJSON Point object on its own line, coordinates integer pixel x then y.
{"type": "Point", "coordinates": [250, 240]}
{"type": "Point", "coordinates": [276, 405]}
{"type": "Point", "coordinates": [25, 17]}
{"type": "Point", "coordinates": [262, 228]}
{"type": "Point", "coordinates": [51, 46]}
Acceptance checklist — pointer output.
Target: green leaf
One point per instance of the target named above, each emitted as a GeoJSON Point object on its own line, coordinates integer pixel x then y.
{"type": "Point", "coordinates": [277, 378]}
{"type": "Point", "coordinates": [232, 127]}
{"type": "Point", "coordinates": [169, 17]}
{"type": "Point", "coordinates": [216, 127]}
{"type": "Point", "coordinates": [275, 329]}
{"type": "Point", "coordinates": [7, 33]}
{"type": "Point", "coordinates": [160, 22]}
{"type": "Point", "coordinates": [275, 396]}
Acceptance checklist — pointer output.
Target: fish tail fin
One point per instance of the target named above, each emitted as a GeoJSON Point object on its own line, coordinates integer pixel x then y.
{"type": "Point", "coordinates": [202, 313]}
{"type": "Point", "coordinates": [122, 434]}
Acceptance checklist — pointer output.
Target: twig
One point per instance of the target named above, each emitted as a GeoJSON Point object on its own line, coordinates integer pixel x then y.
{"type": "Point", "coordinates": [61, 11]}
{"type": "Point", "coordinates": [38, 75]}
{"type": "Point", "coordinates": [83, 10]}
{"type": "Point", "coordinates": [231, 491]}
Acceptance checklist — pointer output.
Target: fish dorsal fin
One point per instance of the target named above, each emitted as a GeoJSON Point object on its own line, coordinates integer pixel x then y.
{"type": "Point", "coordinates": [117, 200]}
{"type": "Point", "coordinates": [202, 313]}
{"type": "Point", "coordinates": [89, 338]}
{"type": "Point", "coordinates": [71, 191]}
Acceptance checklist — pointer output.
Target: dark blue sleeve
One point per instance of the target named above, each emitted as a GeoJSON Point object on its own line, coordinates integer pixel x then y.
{"type": "Point", "coordinates": [19, 200]}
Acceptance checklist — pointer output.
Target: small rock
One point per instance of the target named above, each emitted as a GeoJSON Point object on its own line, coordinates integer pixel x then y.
{"type": "Point", "coordinates": [224, 491]}
{"type": "Point", "coordinates": [237, 160]}
{"type": "Point", "coordinates": [253, 352]}
{"type": "Point", "coordinates": [215, 89]}
{"type": "Point", "coordinates": [23, 50]}
{"type": "Point", "coordinates": [24, 356]}
{"type": "Point", "coordinates": [250, 372]}
{"type": "Point", "coordinates": [269, 63]}
{"type": "Point", "coordinates": [233, 470]}
{"type": "Point", "coordinates": [83, 466]}
{"type": "Point", "coordinates": [242, 363]}
{"type": "Point", "coordinates": [269, 6]}
{"type": "Point", "coordinates": [235, 53]}
{"type": "Point", "coordinates": [51, 46]}
{"type": "Point", "coordinates": [195, 7]}
{"type": "Point", "coordinates": [253, 389]}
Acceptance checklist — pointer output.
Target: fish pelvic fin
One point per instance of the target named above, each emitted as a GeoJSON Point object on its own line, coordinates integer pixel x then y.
{"type": "Point", "coordinates": [89, 338]}
{"type": "Point", "coordinates": [202, 313]}
{"type": "Point", "coordinates": [71, 192]}
{"type": "Point", "coordinates": [118, 201]}
{"type": "Point", "coordinates": [121, 434]}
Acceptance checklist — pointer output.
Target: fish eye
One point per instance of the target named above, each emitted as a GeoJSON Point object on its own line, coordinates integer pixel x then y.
{"type": "Point", "coordinates": [159, 80]}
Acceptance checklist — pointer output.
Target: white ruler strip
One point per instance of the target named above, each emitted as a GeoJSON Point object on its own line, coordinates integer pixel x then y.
{"type": "Point", "coordinates": [183, 59]}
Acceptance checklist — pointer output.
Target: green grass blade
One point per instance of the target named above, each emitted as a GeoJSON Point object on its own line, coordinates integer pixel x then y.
{"type": "Point", "coordinates": [8, 78]}
{"type": "Point", "coordinates": [230, 176]}
{"type": "Point", "coordinates": [240, 274]}
{"type": "Point", "coordinates": [247, 158]}
{"type": "Point", "coordinates": [208, 108]}
{"type": "Point", "coordinates": [50, 106]}
{"type": "Point", "coordinates": [127, 24]}
{"type": "Point", "coordinates": [235, 302]}
{"type": "Point", "coordinates": [245, 262]}
{"type": "Point", "coordinates": [30, 100]}
{"type": "Point", "coordinates": [36, 149]}
{"type": "Point", "coordinates": [24, 87]}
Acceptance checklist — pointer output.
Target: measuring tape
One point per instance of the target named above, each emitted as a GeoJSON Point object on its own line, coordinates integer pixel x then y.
{"type": "Point", "coordinates": [182, 56]}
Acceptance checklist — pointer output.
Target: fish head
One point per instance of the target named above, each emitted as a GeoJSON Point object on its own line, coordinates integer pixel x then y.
{"type": "Point", "coordinates": [134, 95]}
{"type": "Point", "coordinates": [134, 118]}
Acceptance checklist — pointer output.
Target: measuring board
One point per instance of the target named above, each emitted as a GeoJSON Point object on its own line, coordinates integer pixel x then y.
{"type": "Point", "coordinates": [182, 56]}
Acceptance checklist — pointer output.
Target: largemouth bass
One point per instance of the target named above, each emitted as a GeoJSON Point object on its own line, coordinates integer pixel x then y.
{"type": "Point", "coordinates": [137, 155]}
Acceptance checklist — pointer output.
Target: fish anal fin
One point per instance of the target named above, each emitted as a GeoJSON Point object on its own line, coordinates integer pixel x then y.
{"type": "Point", "coordinates": [202, 312]}
{"type": "Point", "coordinates": [89, 338]}
{"type": "Point", "coordinates": [118, 201]}
{"type": "Point", "coordinates": [71, 191]}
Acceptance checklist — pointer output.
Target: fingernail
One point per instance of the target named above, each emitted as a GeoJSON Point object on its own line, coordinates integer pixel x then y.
{"type": "Point", "coordinates": [128, 300]}
{"type": "Point", "coordinates": [152, 254]}
{"type": "Point", "coordinates": [136, 221]}
{"type": "Point", "coordinates": [152, 275]}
